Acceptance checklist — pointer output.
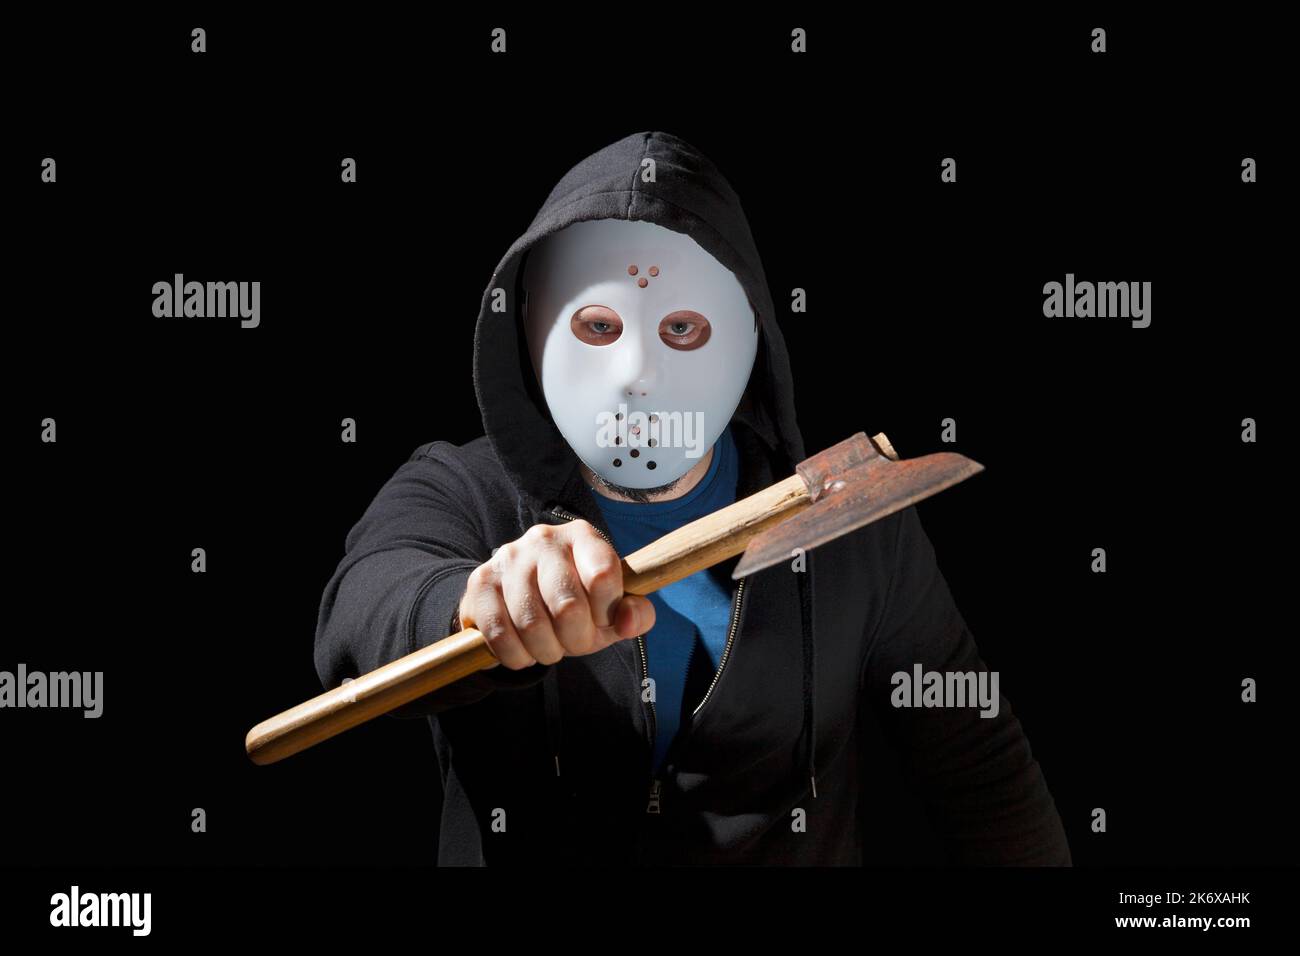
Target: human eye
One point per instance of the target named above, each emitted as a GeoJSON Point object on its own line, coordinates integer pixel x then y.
{"type": "Point", "coordinates": [684, 330]}
{"type": "Point", "coordinates": [596, 325]}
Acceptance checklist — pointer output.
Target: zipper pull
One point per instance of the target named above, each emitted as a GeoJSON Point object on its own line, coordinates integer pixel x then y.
{"type": "Point", "coordinates": [656, 786]}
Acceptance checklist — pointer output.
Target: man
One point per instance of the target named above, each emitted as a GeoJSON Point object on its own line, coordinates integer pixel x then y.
{"type": "Point", "coordinates": [632, 377]}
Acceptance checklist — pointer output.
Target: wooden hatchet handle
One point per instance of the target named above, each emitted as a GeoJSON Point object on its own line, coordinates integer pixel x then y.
{"type": "Point", "coordinates": [677, 555]}
{"type": "Point", "coordinates": [673, 557]}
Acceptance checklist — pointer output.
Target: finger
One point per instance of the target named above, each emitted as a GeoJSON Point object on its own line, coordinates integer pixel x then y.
{"type": "Point", "coordinates": [566, 601]}
{"type": "Point", "coordinates": [600, 572]}
{"type": "Point", "coordinates": [528, 613]}
{"type": "Point", "coordinates": [634, 616]}
{"type": "Point", "coordinates": [484, 608]}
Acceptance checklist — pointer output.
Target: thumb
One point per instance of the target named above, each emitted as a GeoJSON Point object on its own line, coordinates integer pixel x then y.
{"type": "Point", "coordinates": [633, 616]}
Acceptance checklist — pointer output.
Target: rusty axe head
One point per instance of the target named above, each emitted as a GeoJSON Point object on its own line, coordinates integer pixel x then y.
{"type": "Point", "coordinates": [850, 485]}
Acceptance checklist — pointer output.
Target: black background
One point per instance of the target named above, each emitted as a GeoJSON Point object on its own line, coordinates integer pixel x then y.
{"type": "Point", "coordinates": [925, 302]}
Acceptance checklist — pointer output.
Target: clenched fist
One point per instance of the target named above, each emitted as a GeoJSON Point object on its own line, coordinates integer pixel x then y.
{"type": "Point", "coordinates": [556, 591]}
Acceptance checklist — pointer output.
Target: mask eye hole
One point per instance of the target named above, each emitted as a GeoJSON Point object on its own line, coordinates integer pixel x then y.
{"type": "Point", "coordinates": [684, 330]}
{"type": "Point", "coordinates": [596, 325]}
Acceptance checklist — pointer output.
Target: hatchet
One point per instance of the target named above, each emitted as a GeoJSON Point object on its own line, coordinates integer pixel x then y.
{"type": "Point", "coordinates": [834, 492]}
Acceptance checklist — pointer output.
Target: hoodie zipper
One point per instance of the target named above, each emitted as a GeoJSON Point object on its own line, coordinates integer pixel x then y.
{"type": "Point", "coordinates": [656, 785]}
{"type": "Point", "coordinates": [726, 649]}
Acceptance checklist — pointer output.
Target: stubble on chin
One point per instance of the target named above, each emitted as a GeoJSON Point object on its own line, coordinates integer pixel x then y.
{"type": "Point", "coordinates": [639, 495]}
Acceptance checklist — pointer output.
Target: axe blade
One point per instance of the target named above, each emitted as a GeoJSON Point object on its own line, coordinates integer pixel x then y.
{"type": "Point", "coordinates": [865, 491]}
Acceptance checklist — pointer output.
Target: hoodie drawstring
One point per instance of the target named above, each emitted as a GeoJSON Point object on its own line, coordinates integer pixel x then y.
{"type": "Point", "coordinates": [551, 693]}
{"type": "Point", "coordinates": [809, 669]}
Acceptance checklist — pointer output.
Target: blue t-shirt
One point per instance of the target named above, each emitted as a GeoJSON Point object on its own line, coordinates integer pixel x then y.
{"type": "Point", "coordinates": [692, 615]}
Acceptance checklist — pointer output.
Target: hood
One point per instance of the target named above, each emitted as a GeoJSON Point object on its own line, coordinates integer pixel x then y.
{"type": "Point", "coordinates": [688, 195]}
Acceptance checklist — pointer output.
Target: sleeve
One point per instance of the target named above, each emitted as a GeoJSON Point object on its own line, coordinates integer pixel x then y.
{"type": "Point", "coordinates": [399, 585]}
{"type": "Point", "coordinates": [980, 786]}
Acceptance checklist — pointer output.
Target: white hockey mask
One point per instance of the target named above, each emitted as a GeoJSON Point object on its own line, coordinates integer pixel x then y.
{"type": "Point", "coordinates": [642, 342]}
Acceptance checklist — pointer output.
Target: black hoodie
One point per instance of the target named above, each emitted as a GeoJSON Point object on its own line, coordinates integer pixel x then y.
{"type": "Point", "coordinates": [552, 764]}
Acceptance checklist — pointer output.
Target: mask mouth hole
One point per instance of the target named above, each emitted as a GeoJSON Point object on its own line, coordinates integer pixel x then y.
{"type": "Point", "coordinates": [635, 453]}
{"type": "Point", "coordinates": [618, 463]}
{"type": "Point", "coordinates": [650, 465]}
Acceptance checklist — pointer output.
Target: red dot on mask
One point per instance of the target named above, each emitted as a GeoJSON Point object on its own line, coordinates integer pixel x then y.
{"type": "Point", "coordinates": [654, 270]}
{"type": "Point", "coordinates": [631, 270]}
{"type": "Point", "coordinates": [643, 282]}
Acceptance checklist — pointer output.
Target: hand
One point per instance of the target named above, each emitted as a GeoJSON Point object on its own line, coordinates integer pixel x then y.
{"type": "Point", "coordinates": [555, 591]}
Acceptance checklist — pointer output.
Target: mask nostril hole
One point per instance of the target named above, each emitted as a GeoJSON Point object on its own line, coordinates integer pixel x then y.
{"type": "Point", "coordinates": [635, 453]}
{"type": "Point", "coordinates": [618, 462]}
{"type": "Point", "coordinates": [650, 465]}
